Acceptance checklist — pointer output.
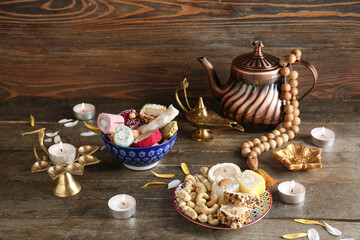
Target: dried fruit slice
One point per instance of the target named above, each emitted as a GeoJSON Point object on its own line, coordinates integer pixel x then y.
{"type": "Point", "coordinates": [224, 170]}
{"type": "Point", "coordinates": [233, 216]}
{"type": "Point", "coordinates": [251, 182]}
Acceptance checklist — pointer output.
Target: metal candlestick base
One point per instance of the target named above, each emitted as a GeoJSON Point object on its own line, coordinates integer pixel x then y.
{"type": "Point", "coordinates": [65, 184]}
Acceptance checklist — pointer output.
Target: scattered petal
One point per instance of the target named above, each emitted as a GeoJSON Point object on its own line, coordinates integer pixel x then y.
{"type": "Point", "coordinates": [348, 238]}
{"type": "Point", "coordinates": [313, 234]}
{"type": "Point", "coordinates": [88, 134]}
{"type": "Point", "coordinates": [173, 183]}
{"type": "Point", "coordinates": [65, 120]}
{"type": "Point", "coordinates": [154, 183]}
{"type": "Point", "coordinates": [57, 139]}
{"type": "Point", "coordinates": [103, 147]}
{"type": "Point", "coordinates": [32, 132]}
{"type": "Point", "coordinates": [48, 140]}
{"type": "Point", "coordinates": [332, 230]}
{"type": "Point", "coordinates": [305, 221]}
{"type": "Point", "coordinates": [185, 168]}
{"type": "Point", "coordinates": [32, 120]}
{"type": "Point", "coordinates": [71, 124]}
{"type": "Point", "coordinates": [294, 235]}
{"type": "Point", "coordinates": [53, 134]}
{"type": "Point", "coordinates": [163, 175]}
{"type": "Point", "coordinates": [90, 127]}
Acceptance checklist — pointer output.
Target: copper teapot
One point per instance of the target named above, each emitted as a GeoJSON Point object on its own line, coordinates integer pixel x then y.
{"type": "Point", "coordinates": [252, 95]}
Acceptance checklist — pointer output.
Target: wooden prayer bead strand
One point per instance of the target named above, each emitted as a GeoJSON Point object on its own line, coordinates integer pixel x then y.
{"type": "Point", "coordinates": [253, 149]}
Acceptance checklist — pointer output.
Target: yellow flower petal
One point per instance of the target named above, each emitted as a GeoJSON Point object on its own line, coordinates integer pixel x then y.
{"type": "Point", "coordinates": [185, 168]}
{"type": "Point", "coordinates": [32, 132]}
{"type": "Point", "coordinates": [305, 221]}
{"type": "Point", "coordinates": [163, 175]}
{"type": "Point", "coordinates": [32, 120]}
{"type": "Point", "coordinates": [154, 183]}
{"type": "Point", "coordinates": [294, 235]}
{"type": "Point", "coordinates": [91, 127]}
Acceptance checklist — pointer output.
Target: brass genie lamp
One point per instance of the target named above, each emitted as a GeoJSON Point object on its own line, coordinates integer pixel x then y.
{"type": "Point", "coordinates": [203, 119]}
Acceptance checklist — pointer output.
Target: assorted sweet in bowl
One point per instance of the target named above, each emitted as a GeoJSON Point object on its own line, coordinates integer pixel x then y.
{"type": "Point", "coordinates": [139, 141]}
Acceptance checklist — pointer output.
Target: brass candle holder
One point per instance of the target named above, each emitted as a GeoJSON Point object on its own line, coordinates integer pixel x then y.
{"type": "Point", "coordinates": [65, 184]}
{"type": "Point", "coordinates": [203, 119]}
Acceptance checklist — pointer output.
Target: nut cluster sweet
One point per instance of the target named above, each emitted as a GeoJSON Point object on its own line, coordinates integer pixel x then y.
{"type": "Point", "coordinates": [290, 126]}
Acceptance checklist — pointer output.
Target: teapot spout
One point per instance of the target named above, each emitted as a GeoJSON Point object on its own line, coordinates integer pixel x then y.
{"type": "Point", "coordinates": [215, 84]}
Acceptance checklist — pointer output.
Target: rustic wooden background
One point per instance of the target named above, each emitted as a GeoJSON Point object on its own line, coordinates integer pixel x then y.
{"type": "Point", "coordinates": [133, 49]}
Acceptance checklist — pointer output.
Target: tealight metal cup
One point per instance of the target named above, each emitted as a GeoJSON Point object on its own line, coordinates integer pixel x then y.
{"type": "Point", "coordinates": [118, 211]}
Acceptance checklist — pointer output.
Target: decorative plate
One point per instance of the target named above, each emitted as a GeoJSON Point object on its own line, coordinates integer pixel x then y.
{"type": "Point", "coordinates": [257, 213]}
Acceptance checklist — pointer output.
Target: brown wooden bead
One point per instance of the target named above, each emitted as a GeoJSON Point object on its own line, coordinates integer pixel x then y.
{"type": "Point", "coordinates": [251, 144]}
{"type": "Point", "coordinates": [261, 146]}
{"type": "Point", "coordinates": [291, 58]}
{"type": "Point", "coordinates": [279, 141]}
{"type": "Point", "coordinates": [294, 74]}
{"type": "Point", "coordinates": [295, 103]}
{"type": "Point", "coordinates": [252, 161]}
{"type": "Point", "coordinates": [283, 62]}
{"type": "Point", "coordinates": [285, 71]}
{"type": "Point", "coordinates": [291, 134]}
{"type": "Point", "coordinates": [296, 112]}
{"type": "Point", "coordinates": [295, 129]}
{"type": "Point", "coordinates": [276, 132]}
{"type": "Point", "coordinates": [286, 96]}
{"type": "Point", "coordinates": [267, 146]}
{"type": "Point", "coordinates": [293, 83]}
{"type": "Point", "coordinates": [288, 109]}
{"type": "Point", "coordinates": [263, 139]}
{"type": "Point", "coordinates": [294, 91]}
{"type": "Point", "coordinates": [286, 124]}
{"type": "Point", "coordinates": [297, 53]}
{"type": "Point", "coordinates": [270, 136]}
{"type": "Point", "coordinates": [285, 137]}
{"type": "Point", "coordinates": [296, 121]}
{"type": "Point", "coordinates": [272, 143]}
{"type": "Point", "coordinates": [287, 103]}
{"type": "Point", "coordinates": [256, 141]}
{"type": "Point", "coordinates": [257, 150]}
{"type": "Point", "coordinates": [285, 87]}
{"type": "Point", "coordinates": [289, 117]}
{"type": "Point", "coordinates": [245, 152]}
{"type": "Point", "coordinates": [245, 145]}
{"type": "Point", "coordinates": [281, 129]}
{"type": "Point", "coordinates": [293, 98]}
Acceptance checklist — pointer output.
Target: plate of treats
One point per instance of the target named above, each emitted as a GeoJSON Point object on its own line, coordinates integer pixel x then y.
{"type": "Point", "coordinates": [223, 197]}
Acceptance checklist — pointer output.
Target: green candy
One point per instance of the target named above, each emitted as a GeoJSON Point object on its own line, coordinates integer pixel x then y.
{"type": "Point", "coordinates": [123, 136]}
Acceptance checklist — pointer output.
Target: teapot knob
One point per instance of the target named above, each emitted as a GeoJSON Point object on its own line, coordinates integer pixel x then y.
{"type": "Point", "coordinates": [258, 45]}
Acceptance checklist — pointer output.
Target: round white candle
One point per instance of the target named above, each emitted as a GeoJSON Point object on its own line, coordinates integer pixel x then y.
{"type": "Point", "coordinates": [322, 137]}
{"type": "Point", "coordinates": [291, 192]}
{"type": "Point", "coordinates": [84, 111]}
{"type": "Point", "coordinates": [122, 206]}
{"type": "Point", "coordinates": [62, 153]}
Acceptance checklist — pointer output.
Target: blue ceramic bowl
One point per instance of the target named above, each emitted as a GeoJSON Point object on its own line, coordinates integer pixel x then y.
{"type": "Point", "coordinates": [139, 158]}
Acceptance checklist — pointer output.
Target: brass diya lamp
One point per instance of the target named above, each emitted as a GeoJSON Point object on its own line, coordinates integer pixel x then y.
{"type": "Point", "coordinates": [65, 184]}
{"type": "Point", "coordinates": [203, 119]}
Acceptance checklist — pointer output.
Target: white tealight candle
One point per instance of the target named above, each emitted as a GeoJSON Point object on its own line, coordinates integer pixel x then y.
{"type": "Point", "coordinates": [62, 153]}
{"type": "Point", "coordinates": [84, 111]}
{"type": "Point", "coordinates": [291, 192]}
{"type": "Point", "coordinates": [322, 137]}
{"type": "Point", "coordinates": [122, 206]}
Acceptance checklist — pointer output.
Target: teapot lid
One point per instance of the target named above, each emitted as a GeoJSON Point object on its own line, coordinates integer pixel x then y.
{"type": "Point", "coordinates": [256, 60]}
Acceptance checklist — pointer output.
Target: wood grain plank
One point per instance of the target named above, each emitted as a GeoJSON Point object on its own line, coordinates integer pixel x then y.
{"type": "Point", "coordinates": [130, 49]}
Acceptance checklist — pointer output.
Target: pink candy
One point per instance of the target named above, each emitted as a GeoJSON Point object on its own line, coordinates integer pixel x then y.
{"type": "Point", "coordinates": [107, 123]}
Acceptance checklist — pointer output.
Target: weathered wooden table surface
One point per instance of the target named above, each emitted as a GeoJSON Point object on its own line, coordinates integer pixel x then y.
{"type": "Point", "coordinates": [30, 211]}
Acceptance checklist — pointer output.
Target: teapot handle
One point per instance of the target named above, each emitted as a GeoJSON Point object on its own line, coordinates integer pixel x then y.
{"type": "Point", "coordinates": [314, 73]}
